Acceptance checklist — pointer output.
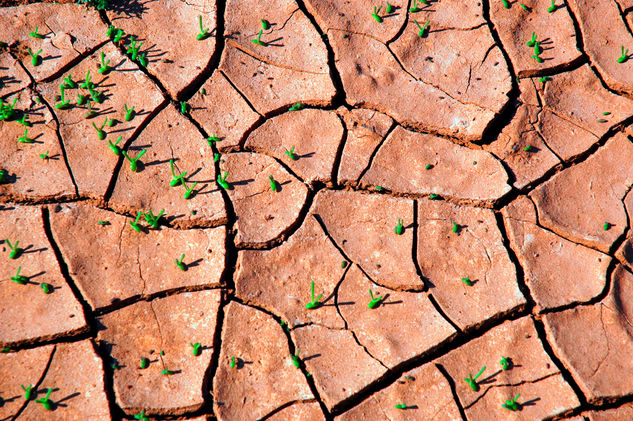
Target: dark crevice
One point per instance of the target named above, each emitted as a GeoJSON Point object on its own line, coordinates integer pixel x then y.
{"type": "Point", "coordinates": [451, 384]}
{"type": "Point", "coordinates": [284, 406]}
{"type": "Point", "coordinates": [72, 63]}
{"type": "Point", "coordinates": [442, 313]}
{"type": "Point", "coordinates": [339, 151]}
{"type": "Point", "coordinates": [414, 251]}
{"type": "Point", "coordinates": [375, 151]}
{"type": "Point", "coordinates": [108, 381]}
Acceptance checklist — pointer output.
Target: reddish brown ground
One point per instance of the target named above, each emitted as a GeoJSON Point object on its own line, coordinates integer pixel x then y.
{"type": "Point", "coordinates": [510, 178]}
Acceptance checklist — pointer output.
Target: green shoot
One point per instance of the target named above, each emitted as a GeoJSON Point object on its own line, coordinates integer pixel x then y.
{"type": "Point", "coordinates": [273, 184]}
{"type": "Point", "coordinates": [36, 34]}
{"type": "Point", "coordinates": [455, 227]}
{"type": "Point", "coordinates": [296, 107]}
{"type": "Point", "coordinates": [204, 33]}
{"type": "Point", "coordinates": [295, 359]}
{"type": "Point", "coordinates": [36, 60]}
{"type": "Point", "coordinates": [434, 196]}
{"type": "Point", "coordinates": [95, 95]}
{"type": "Point", "coordinates": [233, 363]}
{"type": "Point", "coordinates": [511, 404]}
{"type": "Point", "coordinates": [315, 302]}
{"type": "Point", "coordinates": [212, 139]}
{"type": "Point", "coordinates": [87, 82]}
{"type": "Point", "coordinates": [528, 148]}
{"type": "Point", "coordinates": [47, 288]}
{"type": "Point", "coordinates": [553, 7]}
{"type": "Point", "coordinates": [152, 219]}
{"type": "Point", "coordinates": [129, 112]}
{"type": "Point", "coordinates": [624, 56]}
{"type": "Point", "coordinates": [167, 372]}
{"type": "Point", "coordinates": [24, 120]}
{"type": "Point", "coordinates": [545, 79]}
{"type": "Point", "coordinates": [399, 227]}
{"type": "Point", "coordinates": [197, 349]}
{"type": "Point", "coordinates": [374, 301]}
{"type": "Point", "coordinates": [422, 28]}
{"type": "Point", "coordinates": [189, 191]}
{"type": "Point", "coordinates": [105, 65]}
{"type": "Point", "coordinates": [401, 406]}
{"type": "Point", "coordinates": [505, 363]}
{"type": "Point", "coordinates": [69, 83]}
{"type": "Point", "coordinates": [258, 40]}
{"type": "Point", "coordinates": [113, 146]}
{"type": "Point", "coordinates": [103, 223]}
{"type": "Point", "coordinates": [222, 180]}
{"type": "Point", "coordinates": [141, 416]}
{"type": "Point", "coordinates": [28, 392]}
{"type": "Point", "coordinates": [506, 4]}
{"type": "Point", "coordinates": [133, 161]}
{"type": "Point", "coordinates": [472, 381]}
{"type": "Point", "coordinates": [120, 33]}
{"type": "Point", "coordinates": [6, 110]}
{"type": "Point", "coordinates": [375, 15]}
{"type": "Point", "coordinates": [45, 401]}
{"type": "Point", "coordinates": [343, 264]}
{"type": "Point", "coordinates": [184, 107]}
{"type": "Point", "coordinates": [3, 176]}
{"type": "Point", "coordinates": [216, 157]}
{"type": "Point", "coordinates": [82, 99]}
{"type": "Point", "coordinates": [414, 8]}
{"type": "Point", "coordinates": [265, 24]}
{"type": "Point", "coordinates": [606, 226]}
{"type": "Point", "coordinates": [291, 153]}
{"type": "Point", "coordinates": [537, 48]}
{"type": "Point", "coordinates": [44, 156]}
{"type": "Point", "coordinates": [63, 102]}
{"type": "Point", "coordinates": [111, 30]}
{"type": "Point", "coordinates": [101, 134]}
{"type": "Point", "coordinates": [537, 58]}
{"type": "Point", "coordinates": [389, 8]}
{"type": "Point", "coordinates": [176, 179]}
{"type": "Point", "coordinates": [379, 188]}
{"type": "Point", "coordinates": [19, 279]}
{"type": "Point", "coordinates": [467, 281]}
{"type": "Point", "coordinates": [25, 138]}
{"type": "Point", "coordinates": [133, 47]}
{"type": "Point", "coordinates": [532, 41]}
{"type": "Point", "coordinates": [144, 362]}
{"type": "Point", "coordinates": [524, 7]}
{"type": "Point", "coordinates": [182, 266]}
{"type": "Point", "coordinates": [134, 224]}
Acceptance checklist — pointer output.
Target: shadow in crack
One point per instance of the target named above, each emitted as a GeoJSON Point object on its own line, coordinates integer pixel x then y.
{"type": "Point", "coordinates": [129, 8]}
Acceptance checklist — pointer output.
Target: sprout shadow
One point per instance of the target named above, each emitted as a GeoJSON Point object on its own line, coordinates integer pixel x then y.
{"type": "Point", "coordinates": [129, 8]}
{"type": "Point", "coordinates": [311, 357]}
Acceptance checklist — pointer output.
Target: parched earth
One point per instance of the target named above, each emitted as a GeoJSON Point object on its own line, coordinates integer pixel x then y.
{"type": "Point", "coordinates": [297, 210]}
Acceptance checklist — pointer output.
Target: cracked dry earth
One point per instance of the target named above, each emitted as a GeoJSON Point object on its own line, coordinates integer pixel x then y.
{"type": "Point", "coordinates": [510, 177]}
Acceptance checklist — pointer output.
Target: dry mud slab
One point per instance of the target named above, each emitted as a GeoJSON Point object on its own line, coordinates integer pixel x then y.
{"type": "Point", "coordinates": [316, 210]}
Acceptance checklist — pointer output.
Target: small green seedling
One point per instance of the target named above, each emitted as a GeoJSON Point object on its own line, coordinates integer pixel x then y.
{"type": "Point", "coordinates": [36, 60]}
{"type": "Point", "coordinates": [414, 8]}
{"type": "Point", "coordinates": [212, 139]}
{"type": "Point", "coordinates": [375, 15]}
{"type": "Point", "coordinates": [296, 107]}
{"type": "Point", "coordinates": [606, 226]}
{"type": "Point", "coordinates": [389, 8]}
{"type": "Point", "coordinates": [553, 7]}
{"type": "Point", "coordinates": [379, 188]}
{"type": "Point", "coordinates": [295, 359]}
{"type": "Point", "coordinates": [196, 349]}
{"type": "Point", "coordinates": [45, 401]}
{"type": "Point", "coordinates": [134, 224]}
{"type": "Point", "coordinates": [258, 40]}
{"type": "Point", "coordinates": [222, 180]}
{"type": "Point", "coordinates": [545, 79]}
{"type": "Point", "coordinates": [3, 176]}
{"type": "Point", "coordinates": [120, 33]}
{"type": "Point", "coordinates": [375, 301]}
{"type": "Point", "coordinates": [152, 219]}
{"type": "Point", "coordinates": [216, 157]}
{"type": "Point", "coordinates": [204, 33]}
{"type": "Point", "coordinates": [467, 281]}
{"type": "Point", "coordinates": [25, 138]}
{"type": "Point", "coordinates": [82, 99]}
{"type": "Point", "coordinates": [113, 146]}
{"type": "Point", "coordinates": [422, 28]}
{"type": "Point", "coordinates": [455, 227]}
{"type": "Point", "coordinates": [472, 381]}
{"type": "Point", "coordinates": [505, 363]}
{"type": "Point", "coordinates": [511, 404]}
{"type": "Point", "coordinates": [274, 186]}
{"type": "Point", "coordinates": [47, 288]}
{"type": "Point", "coordinates": [141, 416]}
{"type": "Point", "coordinates": [24, 120]}
{"type": "Point", "coordinates": [506, 4]}
{"type": "Point", "coordinates": [95, 95]}
{"type": "Point", "coordinates": [537, 48]}
{"type": "Point", "coordinates": [343, 264]}
{"type": "Point", "coordinates": [36, 34]}
{"type": "Point", "coordinates": [176, 179]}
{"type": "Point", "coordinates": [167, 372]}
{"type": "Point", "coordinates": [184, 107]}
{"type": "Point", "coordinates": [532, 41]}
{"type": "Point", "coordinates": [129, 113]}
{"type": "Point", "coordinates": [6, 110]}
{"type": "Point", "coordinates": [111, 31]}
{"type": "Point", "coordinates": [401, 406]}
{"type": "Point", "coordinates": [63, 102]}
{"type": "Point", "coordinates": [182, 266]}
{"type": "Point", "coordinates": [133, 161]}
{"type": "Point", "coordinates": [291, 153]}
{"type": "Point", "coordinates": [44, 156]}
{"type": "Point", "coordinates": [103, 223]}
{"type": "Point", "coordinates": [399, 227]}
{"type": "Point", "coordinates": [524, 7]}
{"type": "Point", "coordinates": [434, 196]}
{"type": "Point", "coordinates": [5, 350]}
{"type": "Point", "coordinates": [69, 83]}
{"type": "Point", "coordinates": [87, 82]}
{"type": "Point", "coordinates": [265, 24]}
{"type": "Point", "coordinates": [19, 279]}
{"type": "Point", "coordinates": [133, 48]}
{"type": "Point", "coordinates": [105, 65]}
{"type": "Point", "coordinates": [233, 363]}
{"type": "Point", "coordinates": [624, 56]}
{"type": "Point", "coordinates": [189, 190]}
{"type": "Point", "coordinates": [101, 134]}
{"type": "Point", "coordinates": [537, 58]}
{"type": "Point", "coordinates": [144, 363]}
{"type": "Point", "coordinates": [315, 302]}
{"type": "Point", "coordinates": [28, 392]}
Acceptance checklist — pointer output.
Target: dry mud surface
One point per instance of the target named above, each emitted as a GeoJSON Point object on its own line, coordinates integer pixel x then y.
{"type": "Point", "coordinates": [450, 178]}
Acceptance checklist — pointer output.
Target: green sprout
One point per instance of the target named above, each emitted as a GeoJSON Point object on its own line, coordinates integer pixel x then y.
{"type": "Point", "coordinates": [296, 107]}
{"type": "Point", "coordinates": [434, 196]}
{"type": "Point", "coordinates": [455, 228]}
{"type": "Point", "coordinates": [113, 146]}
{"type": "Point", "coordinates": [624, 56]}
{"type": "Point", "coordinates": [295, 359]}
{"type": "Point", "coordinates": [144, 362]}
{"type": "Point", "coordinates": [374, 301]}
{"type": "Point", "coordinates": [212, 139]}
{"type": "Point", "coordinates": [532, 41]}
{"type": "Point", "coordinates": [3, 176]}
{"type": "Point", "coordinates": [258, 40]}
{"type": "Point", "coordinates": [87, 82]}
{"type": "Point", "coordinates": [399, 227]}
{"type": "Point", "coordinates": [389, 8]}
{"type": "Point", "coordinates": [216, 157]}
{"type": "Point", "coordinates": [379, 188]}
{"type": "Point", "coordinates": [505, 363]}
{"type": "Point", "coordinates": [36, 60]}
{"type": "Point", "coordinates": [537, 48]}
{"type": "Point", "coordinates": [176, 179]}
{"type": "Point", "coordinates": [134, 224]}
{"type": "Point", "coordinates": [45, 401]}
{"type": "Point", "coordinates": [44, 156]}
{"type": "Point", "coordinates": [25, 138]}
{"type": "Point", "coordinates": [204, 33]}
{"type": "Point", "coordinates": [606, 226]}
{"type": "Point", "coordinates": [467, 281]}
{"type": "Point", "coordinates": [511, 404]}
{"type": "Point", "coordinates": [196, 349]}
{"type": "Point", "coordinates": [120, 33]}
{"type": "Point", "coordinates": [291, 153]}
{"type": "Point", "coordinates": [47, 288]}
{"type": "Point", "coordinates": [415, 8]}
{"type": "Point", "coordinates": [133, 47]}
{"type": "Point", "coordinates": [274, 186]}
{"type": "Point", "coordinates": [528, 148]}
{"type": "Point", "coordinates": [105, 65]}
{"type": "Point", "coordinates": [265, 24]}
{"type": "Point", "coordinates": [82, 99]}
{"type": "Point", "coordinates": [101, 134]}
{"type": "Point", "coordinates": [111, 31]}
{"type": "Point", "coordinates": [472, 381]}
{"type": "Point", "coordinates": [103, 223]}
{"type": "Point", "coordinates": [133, 161]}
{"type": "Point", "coordinates": [69, 83]}
{"type": "Point", "coordinates": [553, 7]}
{"type": "Point", "coordinates": [28, 392]}
{"type": "Point", "coordinates": [19, 279]}
{"type": "Point", "coordinates": [167, 372]}
{"type": "Point", "coordinates": [343, 264]}
{"type": "Point", "coordinates": [95, 95]}
{"type": "Point", "coordinates": [233, 363]}
{"type": "Point", "coordinates": [375, 15]}
{"type": "Point", "coordinates": [422, 28]}
{"type": "Point", "coordinates": [401, 406]}
{"type": "Point", "coordinates": [36, 34]}
{"type": "Point", "coordinates": [129, 112]}
{"type": "Point", "coordinates": [6, 110]}
{"type": "Point", "coordinates": [222, 180]}
{"type": "Point", "coordinates": [189, 191]}
{"type": "Point", "coordinates": [537, 58]}
{"type": "Point", "coordinates": [315, 302]}
{"type": "Point", "coordinates": [24, 120]}
{"type": "Point", "coordinates": [182, 266]}
{"type": "Point", "coordinates": [152, 219]}
{"type": "Point", "coordinates": [141, 416]}
{"type": "Point", "coordinates": [524, 7]}
{"type": "Point", "coordinates": [63, 102]}
{"type": "Point", "coordinates": [545, 79]}
{"type": "Point", "coordinates": [184, 107]}
{"type": "Point", "coordinates": [506, 4]}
